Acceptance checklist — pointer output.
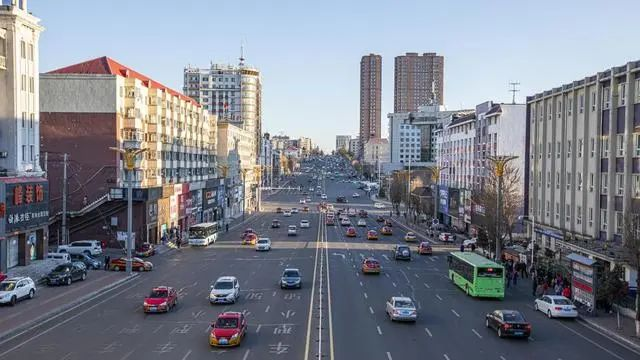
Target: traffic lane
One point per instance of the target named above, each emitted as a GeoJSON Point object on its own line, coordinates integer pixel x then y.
{"type": "Point", "coordinates": [122, 318]}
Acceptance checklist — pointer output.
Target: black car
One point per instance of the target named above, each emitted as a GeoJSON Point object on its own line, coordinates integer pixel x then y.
{"type": "Point", "coordinates": [508, 323]}
{"type": "Point", "coordinates": [89, 261]}
{"type": "Point", "coordinates": [67, 273]}
{"type": "Point", "coordinates": [341, 199]}
{"type": "Point", "coordinates": [401, 252]}
{"type": "Point", "coordinates": [291, 278]}
{"type": "Point", "coordinates": [275, 224]}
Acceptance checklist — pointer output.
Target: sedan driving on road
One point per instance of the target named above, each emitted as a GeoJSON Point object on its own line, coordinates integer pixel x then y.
{"type": "Point", "coordinates": [291, 278]}
{"type": "Point", "coordinates": [304, 224]}
{"type": "Point", "coordinates": [17, 288]}
{"type": "Point", "coordinates": [225, 290]}
{"type": "Point", "coordinates": [401, 309]}
{"type": "Point", "coordinates": [137, 264]}
{"type": "Point", "coordinates": [161, 299]}
{"type": "Point", "coordinates": [386, 230]}
{"type": "Point", "coordinates": [362, 222]}
{"type": "Point", "coordinates": [508, 323]}
{"type": "Point", "coordinates": [401, 252]}
{"type": "Point", "coordinates": [410, 237]}
{"type": "Point", "coordinates": [275, 224]}
{"type": "Point", "coordinates": [263, 244]}
{"type": "Point", "coordinates": [378, 205]}
{"type": "Point", "coordinates": [425, 248]}
{"type": "Point", "coordinates": [292, 230]}
{"type": "Point", "coordinates": [555, 306]}
{"type": "Point", "coordinates": [351, 232]}
{"type": "Point", "coordinates": [372, 235]}
{"type": "Point", "coordinates": [228, 330]}
{"type": "Point", "coordinates": [370, 266]}
{"type": "Point", "coordinates": [345, 221]}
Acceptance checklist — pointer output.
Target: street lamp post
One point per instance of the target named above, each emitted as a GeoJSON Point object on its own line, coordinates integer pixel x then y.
{"type": "Point", "coordinates": [244, 190]}
{"type": "Point", "coordinates": [435, 177]}
{"type": "Point", "coordinates": [129, 156]}
{"type": "Point", "coordinates": [499, 162]}
{"type": "Point", "coordinates": [533, 234]}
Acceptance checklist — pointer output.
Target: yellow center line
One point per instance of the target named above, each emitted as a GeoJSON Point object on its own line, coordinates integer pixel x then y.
{"type": "Point", "coordinates": [313, 289]}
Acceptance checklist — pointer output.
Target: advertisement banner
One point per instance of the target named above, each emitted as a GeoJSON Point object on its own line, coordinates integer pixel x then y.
{"type": "Point", "coordinates": [26, 204]}
{"type": "Point", "coordinates": [454, 201]}
{"type": "Point", "coordinates": [210, 198]}
{"type": "Point", "coordinates": [443, 199]}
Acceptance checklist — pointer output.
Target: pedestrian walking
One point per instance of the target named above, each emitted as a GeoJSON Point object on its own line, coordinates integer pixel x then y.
{"type": "Point", "coordinates": [515, 277]}
{"type": "Point", "coordinates": [178, 241]}
{"type": "Point", "coordinates": [107, 260]}
{"type": "Point", "coordinates": [473, 247]}
{"type": "Point", "coordinates": [461, 248]}
{"type": "Point", "coordinates": [226, 227]}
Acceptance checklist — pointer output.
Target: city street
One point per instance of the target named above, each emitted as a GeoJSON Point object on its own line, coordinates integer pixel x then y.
{"type": "Point", "coordinates": [338, 314]}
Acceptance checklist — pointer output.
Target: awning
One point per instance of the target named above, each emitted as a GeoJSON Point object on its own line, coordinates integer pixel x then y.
{"type": "Point", "coordinates": [581, 259]}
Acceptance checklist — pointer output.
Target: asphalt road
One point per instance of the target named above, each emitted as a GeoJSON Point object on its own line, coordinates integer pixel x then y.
{"type": "Point", "coordinates": [338, 314]}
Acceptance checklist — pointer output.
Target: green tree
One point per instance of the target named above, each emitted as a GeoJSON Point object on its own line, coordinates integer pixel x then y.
{"type": "Point", "coordinates": [611, 288]}
{"type": "Point", "coordinates": [632, 250]}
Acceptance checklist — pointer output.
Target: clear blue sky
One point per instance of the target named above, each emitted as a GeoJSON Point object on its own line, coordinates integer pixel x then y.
{"type": "Point", "coordinates": [309, 51]}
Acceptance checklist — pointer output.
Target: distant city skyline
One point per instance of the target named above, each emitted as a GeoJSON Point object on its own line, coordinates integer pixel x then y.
{"type": "Point", "coordinates": [311, 71]}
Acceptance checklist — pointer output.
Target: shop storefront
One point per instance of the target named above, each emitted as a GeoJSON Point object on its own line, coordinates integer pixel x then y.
{"type": "Point", "coordinates": [24, 218]}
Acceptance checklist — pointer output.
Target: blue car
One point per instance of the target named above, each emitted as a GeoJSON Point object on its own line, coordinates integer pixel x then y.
{"type": "Point", "coordinates": [291, 278]}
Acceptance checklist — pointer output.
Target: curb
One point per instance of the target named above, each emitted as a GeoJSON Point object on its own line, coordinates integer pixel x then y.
{"type": "Point", "coordinates": [604, 331]}
{"type": "Point", "coordinates": [51, 314]}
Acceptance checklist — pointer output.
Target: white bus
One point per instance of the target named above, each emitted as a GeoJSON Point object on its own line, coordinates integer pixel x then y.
{"type": "Point", "coordinates": [203, 234]}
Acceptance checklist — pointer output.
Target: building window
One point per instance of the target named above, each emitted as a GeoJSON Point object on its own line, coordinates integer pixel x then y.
{"type": "Point", "coordinates": [635, 191]}
{"type": "Point", "coordinates": [568, 181]}
{"type": "Point", "coordinates": [603, 219]}
{"type": "Point", "coordinates": [548, 208]}
{"type": "Point", "coordinates": [548, 150]}
{"type": "Point", "coordinates": [24, 152]}
{"type": "Point", "coordinates": [604, 180]}
{"type": "Point", "coordinates": [593, 147]}
{"type": "Point", "coordinates": [569, 106]}
{"type": "Point", "coordinates": [637, 90]}
{"type": "Point", "coordinates": [567, 213]}
{"type": "Point", "coordinates": [591, 179]}
{"type": "Point", "coordinates": [590, 217]}
{"type": "Point", "coordinates": [23, 82]}
{"type": "Point", "coordinates": [559, 104]}
{"type": "Point", "coordinates": [579, 182]}
{"type": "Point", "coordinates": [558, 149]}
{"type": "Point", "coordinates": [569, 148]}
{"type": "Point", "coordinates": [593, 100]}
{"type": "Point", "coordinates": [604, 147]}
{"type": "Point", "coordinates": [24, 119]}
{"type": "Point", "coordinates": [619, 222]}
{"type": "Point", "coordinates": [620, 145]}
{"type": "Point", "coordinates": [32, 117]}
{"type": "Point", "coordinates": [579, 215]}
{"type": "Point", "coordinates": [636, 145]}
{"type": "Point", "coordinates": [548, 180]}
{"type": "Point", "coordinates": [557, 210]}
{"type": "Point", "coordinates": [32, 85]}
{"type": "Point", "coordinates": [622, 93]}
{"type": "Point", "coordinates": [606, 95]}
{"type": "Point", "coordinates": [580, 145]}
{"type": "Point", "coordinates": [619, 184]}
{"type": "Point", "coordinates": [23, 49]}
{"type": "Point", "coordinates": [581, 103]}
{"type": "Point", "coordinates": [31, 154]}
{"type": "Point", "coordinates": [557, 180]}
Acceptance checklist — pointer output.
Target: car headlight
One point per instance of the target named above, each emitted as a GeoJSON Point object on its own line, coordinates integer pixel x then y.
{"type": "Point", "coordinates": [213, 336]}
{"type": "Point", "coordinates": [163, 304]}
{"type": "Point", "coordinates": [235, 336]}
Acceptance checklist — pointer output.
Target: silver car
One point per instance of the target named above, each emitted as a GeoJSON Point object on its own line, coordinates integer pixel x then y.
{"type": "Point", "coordinates": [401, 309]}
{"type": "Point", "coordinates": [263, 244]}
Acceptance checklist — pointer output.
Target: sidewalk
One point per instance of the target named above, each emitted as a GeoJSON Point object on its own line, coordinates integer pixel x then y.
{"type": "Point", "coordinates": [608, 324]}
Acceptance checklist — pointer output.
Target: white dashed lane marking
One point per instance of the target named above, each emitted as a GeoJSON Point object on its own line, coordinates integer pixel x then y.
{"type": "Point", "coordinates": [379, 331]}
{"type": "Point", "coordinates": [428, 332]}
{"type": "Point", "coordinates": [455, 313]}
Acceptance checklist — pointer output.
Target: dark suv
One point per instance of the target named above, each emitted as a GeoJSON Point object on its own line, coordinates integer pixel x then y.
{"type": "Point", "coordinates": [401, 252]}
{"type": "Point", "coordinates": [89, 261]}
{"type": "Point", "coordinates": [67, 273]}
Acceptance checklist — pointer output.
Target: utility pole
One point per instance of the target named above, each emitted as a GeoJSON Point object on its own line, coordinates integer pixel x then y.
{"type": "Point", "coordinates": [514, 89]}
{"type": "Point", "coordinates": [64, 200]}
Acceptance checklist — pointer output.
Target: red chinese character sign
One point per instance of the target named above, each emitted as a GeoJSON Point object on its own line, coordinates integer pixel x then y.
{"type": "Point", "coordinates": [17, 195]}
{"type": "Point", "coordinates": [26, 203]}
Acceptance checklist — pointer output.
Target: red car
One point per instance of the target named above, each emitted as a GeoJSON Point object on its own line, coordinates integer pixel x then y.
{"type": "Point", "coordinates": [370, 266]}
{"type": "Point", "coordinates": [145, 250]}
{"type": "Point", "coordinates": [161, 299]}
{"type": "Point", "coordinates": [425, 248]}
{"type": "Point", "coordinates": [228, 330]}
{"type": "Point", "coordinates": [351, 232]}
{"type": "Point", "coordinates": [246, 232]}
{"type": "Point", "coordinates": [2, 276]}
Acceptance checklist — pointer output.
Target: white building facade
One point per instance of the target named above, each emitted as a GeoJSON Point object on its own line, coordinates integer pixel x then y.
{"type": "Point", "coordinates": [354, 146]}
{"type": "Point", "coordinates": [376, 152]}
{"type": "Point", "coordinates": [342, 142]}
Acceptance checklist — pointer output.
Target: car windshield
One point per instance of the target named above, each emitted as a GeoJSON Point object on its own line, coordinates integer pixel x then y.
{"type": "Point", "coordinates": [263, 241]}
{"type": "Point", "coordinates": [403, 248]}
{"type": "Point", "coordinates": [227, 323]}
{"type": "Point", "coordinates": [404, 304]}
{"type": "Point", "coordinates": [513, 317]}
{"type": "Point", "coordinates": [7, 286]}
{"type": "Point", "coordinates": [562, 301]}
{"type": "Point", "coordinates": [490, 272]}
{"type": "Point", "coordinates": [223, 285]}
{"type": "Point", "coordinates": [62, 268]}
{"type": "Point", "coordinates": [158, 293]}
{"type": "Point", "coordinates": [291, 274]}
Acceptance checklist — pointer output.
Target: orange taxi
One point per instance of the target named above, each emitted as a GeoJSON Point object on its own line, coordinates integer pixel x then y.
{"type": "Point", "coordinates": [372, 235]}
{"type": "Point", "coordinates": [351, 232]}
{"type": "Point", "coordinates": [228, 330]}
{"type": "Point", "coordinates": [370, 266]}
{"type": "Point", "coordinates": [249, 238]}
{"type": "Point", "coordinates": [425, 248]}
{"type": "Point", "coordinates": [305, 209]}
{"type": "Point", "coordinates": [386, 230]}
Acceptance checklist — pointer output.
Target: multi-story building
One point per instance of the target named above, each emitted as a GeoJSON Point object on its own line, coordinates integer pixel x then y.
{"type": "Point", "coordinates": [89, 107]}
{"type": "Point", "coordinates": [305, 145]}
{"type": "Point", "coordinates": [233, 93]}
{"type": "Point", "coordinates": [342, 142]}
{"type": "Point", "coordinates": [376, 152]}
{"type": "Point", "coordinates": [419, 80]}
{"type": "Point", "coordinates": [582, 159]}
{"type": "Point", "coordinates": [370, 98]}
{"type": "Point", "coordinates": [235, 154]}
{"type": "Point", "coordinates": [24, 193]}
{"type": "Point", "coordinates": [266, 160]}
{"type": "Point", "coordinates": [465, 143]}
{"type": "Point", "coordinates": [354, 146]}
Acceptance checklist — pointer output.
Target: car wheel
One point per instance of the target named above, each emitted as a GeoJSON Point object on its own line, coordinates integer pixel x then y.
{"type": "Point", "coordinates": [116, 268]}
{"type": "Point", "coordinates": [141, 268]}
{"type": "Point", "coordinates": [500, 332]}
{"type": "Point", "coordinates": [549, 314]}
{"type": "Point", "coordinates": [32, 293]}
{"type": "Point", "coordinates": [68, 282]}
{"type": "Point", "coordinates": [535, 306]}
{"type": "Point", "coordinates": [84, 276]}
{"type": "Point", "coordinates": [14, 300]}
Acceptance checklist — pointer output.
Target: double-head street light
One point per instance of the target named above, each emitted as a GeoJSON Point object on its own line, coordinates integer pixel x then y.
{"type": "Point", "coordinates": [499, 164]}
{"type": "Point", "coordinates": [129, 156]}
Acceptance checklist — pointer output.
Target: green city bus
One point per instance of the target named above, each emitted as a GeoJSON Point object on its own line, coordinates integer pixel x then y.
{"type": "Point", "coordinates": [476, 275]}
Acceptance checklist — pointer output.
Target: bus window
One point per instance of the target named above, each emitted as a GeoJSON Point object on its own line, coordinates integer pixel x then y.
{"type": "Point", "coordinates": [489, 272]}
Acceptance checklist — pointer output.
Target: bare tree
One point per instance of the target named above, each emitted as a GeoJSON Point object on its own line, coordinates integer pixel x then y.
{"type": "Point", "coordinates": [632, 249]}
{"type": "Point", "coordinates": [398, 189]}
{"type": "Point", "coordinates": [487, 197]}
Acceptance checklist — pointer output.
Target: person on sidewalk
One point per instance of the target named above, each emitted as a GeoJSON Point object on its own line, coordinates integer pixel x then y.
{"type": "Point", "coordinates": [461, 247]}
{"type": "Point", "coordinates": [566, 292]}
{"type": "Point", "coordinates": [226, 227]}
{"type": "Point", "coordinates": [515, 277]}
{"type": "Point", "coordinates": [107, 260]}
{"type": "Point", "coordinates": [178, 241]}
{"type": "Point", "coordinates": [473, 247]}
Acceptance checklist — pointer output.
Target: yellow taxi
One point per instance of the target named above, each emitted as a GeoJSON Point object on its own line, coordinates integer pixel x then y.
{"type": "Point", "coordinates": [372, 235]}
{"type": "Point", "coordinates": [351, 232]}
{"type": "Point", "coordinates": [370, 266]}
{"type": "Point", "coordinates": [386, 230]}
{"type": "Point", "coordinates": [249, 239]}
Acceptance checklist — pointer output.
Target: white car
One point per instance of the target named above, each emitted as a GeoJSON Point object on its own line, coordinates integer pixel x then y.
{"type": "Point", "coordinates": [304, 224]}
{"type": "Point", "coordinates": [225, 290]}
{"type": "Point", "coordinates": [17, 288]}
{"type": "Point", "coordinates": [292, 230]}
{"type": "Point", "coordinates": [401, 308]}
{"type": "Point", "coordinates": [469, 242]}
{"type": "Point", "coordinates": [263, 244]}
{"type": "Point", "coordinates": [362, 222]}
{"type": "Point", "coordinates": [294, 210]}
{"type": "Point", "coordinates": [345, 221]}
{"type": "Point", "coordinates": [378, 205]}
{"type": "Point", "coordinates": [355, 195]}
{"type": "Point", "coordinates": [555, 306]}
{"type": "Point", "coordinates": [89, 247]}
{"type": "Point", "coordinates": [287, 213]}
{"type": "Point", "coordinates": [323, 196]}
{"type": "Point", "coordinates": [446, 237]}
{"type": "Point", "coordinates": [302, 201]}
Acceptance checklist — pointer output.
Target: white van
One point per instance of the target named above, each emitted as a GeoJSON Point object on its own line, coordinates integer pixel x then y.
{"type": "Point", "coordinates": [61, 257]}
